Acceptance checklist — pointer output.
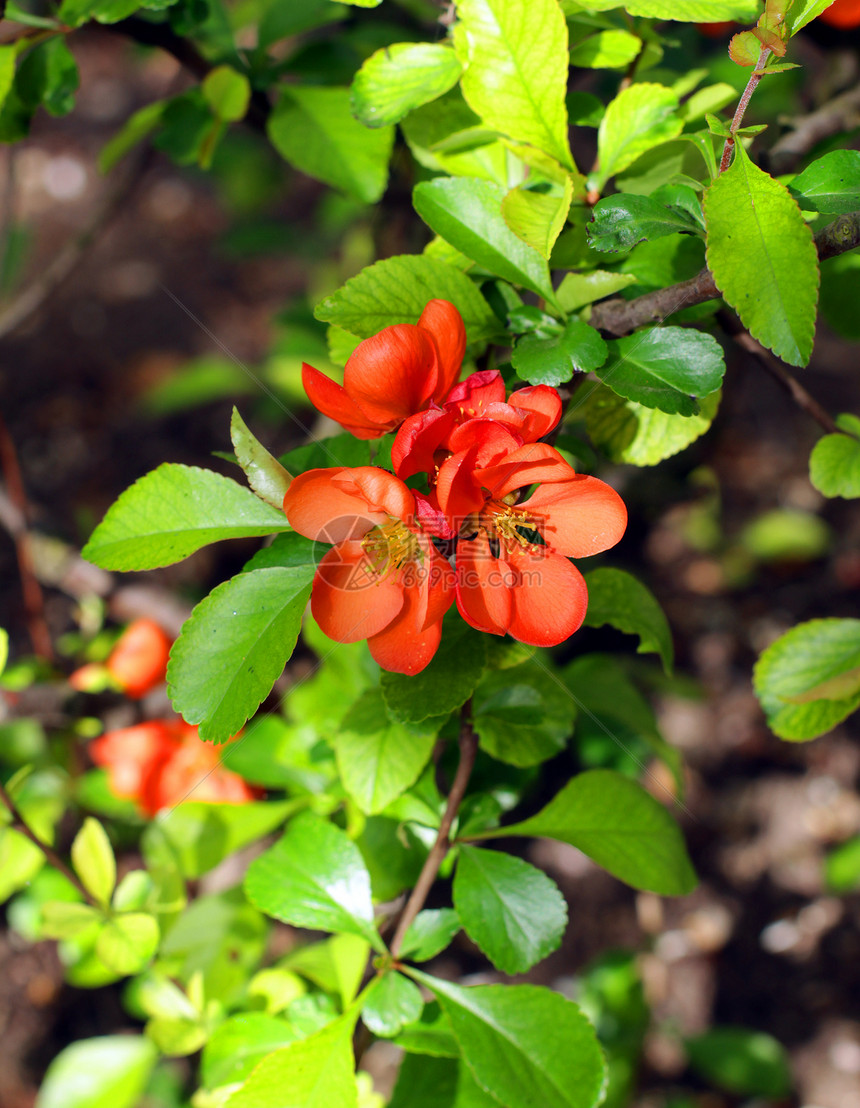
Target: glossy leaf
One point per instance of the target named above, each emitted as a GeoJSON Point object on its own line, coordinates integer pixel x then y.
{"type": "Point", "coordinates": [314, 877]}
{"type": "Point", "coordinates": [393, 1002]}
{"type": "Point", "coordinates": [446, 683]}
{"type": "Point", "coordinates": [803, 12]}
{"type": "Point", "coordinates": [514, 912]}
{"type": "Point", "coordinates": [313, 128]}
{"type": "Point", "coordinates": [537, 218]}
{"type": "Point", "coordinates": [763, 258]}
{"type": "Point", "coordinates": [266, 476]}
{"type": "Point", "coordinates": [173, 511]}
{"type": "Point", "coordinates": [834, 464]}
{"type": "Point", "coordinates": [94, 862]}
{"type": "Point", "coordinates": [516, 63]}
{"type": "Point", "coordinates": [429, 934]}
{"type": "Point", "coordinates": [621, 600]}
{"type": "Point", "coordinates": [401, 77]}
{"type": "Point", "coordinates": [831, 184]}
{"type": "Point", "coordinates": [664, 367]}
{"type": "Point", "coordinates": [552, 361]}
{"type": "Point", "coordinates": [424, 1082]}
{"type": "Point", "coordinates": [108, 1072]}
{"type": "Point", "coordinates": [396, 290]}
{"type": "Point", "coordinates": [523, 715]}
{"type": "Point", "coordinates": [618, 825]}
{"type": "Point", "coordinates": [238, 1044]}
{"type": "Point", "coordinates": [524, 1045]}
{"type": "Point", "coordinates": [639, 118]}
{"type": "Point", "coordinates": [629, 432]}
{"type": "Point", "coordinates": [620, 222]}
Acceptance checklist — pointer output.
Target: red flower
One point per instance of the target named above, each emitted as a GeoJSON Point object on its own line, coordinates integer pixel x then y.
{"type": "Point", "coordinates": [843, 14]}
{"type": "Point", "coordinates": [393, 374]}
{"type": "Point", "coordinates": [161, 763]}
{"type": "Point", "coordinates": [137, 663]}
{"type": "Point", "coordinates": [383, 580]}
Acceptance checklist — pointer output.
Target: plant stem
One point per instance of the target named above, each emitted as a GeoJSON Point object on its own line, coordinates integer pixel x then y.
{"type": "Point", "coordinates": [51, 855]}
{"type": "Point", "coordinates": [430, 869]}
{"type": "Point", "coordinates": [743, 103]}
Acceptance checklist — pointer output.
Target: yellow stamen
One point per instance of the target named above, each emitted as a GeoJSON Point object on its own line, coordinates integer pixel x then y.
{"type": "Point", "coordinates": [391, 546]}
{"type": "Point", "coordinates": [505, 522]}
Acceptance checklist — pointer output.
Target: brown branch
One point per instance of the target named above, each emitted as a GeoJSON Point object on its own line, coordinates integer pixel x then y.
{"type": "Point", "coordinates": [840, 114]}
{"type": "Point", "coordinates": [620, 317]}
{"type": "Point", "coordinates": [430, 869]}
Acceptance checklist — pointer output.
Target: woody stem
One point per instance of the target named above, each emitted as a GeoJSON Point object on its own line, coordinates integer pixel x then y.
{"type": "Point", "coordinates": [743, 103]}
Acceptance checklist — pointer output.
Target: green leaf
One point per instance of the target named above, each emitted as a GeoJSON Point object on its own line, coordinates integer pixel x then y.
{"type": "Point", "coordinates": [834, 466]}
{"type": "Point", "coordinates": [664, 367]}
{"type": "Point", "coordinates": [808, 680]}
{"type": "Point", "coordinates": [107, 1072]}
{"type": "Point", "coordinates": [522, 715]}
{"type": "Point", "coordinates": [63, 919]}
{"type": "Point", "coordinates": [396, 290]}
{"type": "Point", "coordinates": [133, 131]}
{"type": "Point", "coordinates": [803, 12]}
{"type": "Point", "coordinates": [639, 118]}
{"type": "Point", "coordinates": [401, 77]}
{"type": "Point", "coordinates": [467, 213]}
{"type": "Point", "coordinates": [173, 511]}
{"type": "Point", "coordinates": [842, 867]}
{"type": "Point", "coordinates": [336, 965]}
{"type": "Point", "coordinates": [513, 911]}
{"type": "Point", "coordinates": [313, 128]}
{"type": "Point", "coordinates": [266, 476]}
{"type": "Point", "coordinates": [831, 184]}
{"type": "Point", "coordinates": [431, 1035]}
{"type": "Point", "coordinates": [622, 601]}
{"type": "Point", "coordinates": [338, 450]}
{"type": "Point", "coordinates": [75, 12]}
{"type": "Point", "coordinates": [425, 1082]}
{"type": "Point", "coordinates": [606, 50]}
{"type": "Point", "coordinates": [94, 862]}
{"type": "Point", "coordinates": [7, 70]}
{"type": "Point", "coordinates": [684, 11]}
{"type": "Point", "coordinates": [238, 1044]}
{"type": "Point", "coordinates": [579, 289]}
{"type": "Point", "coordinates": [234, 647]}
{"type": "Point", "coordinates": [445, 684]}
{"type": "Point", "coordinates": [536, 217]}
{"type": "Point", "coordinates": [429, 934]}
{"type": "Point", "coordinates": [763, 258]}
{"type": "Point", "coordinates": [127, 942]}
{"type": "Point", "coordinates": [619, 222]}
{"type": "Point", "coordinates": [741, 1061]}
{"type": "Point", "coordinates": [516, 67]}
{"type": "Point", "coordinates": [524, 1045]}
{"type": "Point", "coordinates": [316, 1072]}
{"type": "Point", "coordinates": [629, 432]}
{"type": "Point", "coordinates": [578, 349]}
{"type": "Point", "coordinates": [391, 1003]}
{"type": "Point", "coordinates": [48, 76]}
{"type": "Point", "coordinates": [378, 758]}
{"type": "Point", "coordinates": [227, 93]}
{"type": "Point", "coordinates": [618, 825]}
{"type": "Point", "coordinates": [314, 877]}
{"type": "Point", "coordinates": [280, 21]}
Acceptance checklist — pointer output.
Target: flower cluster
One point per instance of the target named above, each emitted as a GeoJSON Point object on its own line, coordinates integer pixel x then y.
{"type": "Point", "coordinates": [493, 518]}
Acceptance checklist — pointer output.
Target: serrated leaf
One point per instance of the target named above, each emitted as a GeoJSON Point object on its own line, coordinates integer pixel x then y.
{"type": "Point", "coordinates": [578, 349]}
{"type": "Point", "coordinates": [831, 184]}
{"type": "Point", "coordinates": [429, 934]}
{"type": "Point", "coordinates": [629, 432]}
{"type": "Point", "coordinates": [834, 466]}
{"type": "Point", "coordinates": [266, 476]}
{"type": "Point", "coordinates": [94, 862]}
{"type": "Point", "coordinates": [620, 222]}
{"type": "Point", "coordinates": [606, 50]}
{"type": "Point", "coordinates": [537, 218]}
{"type": "Point", "coordinates": [467, 213]}
{"type": "Point", "coordinates": [314, 877]}
{"type": "Point", "coordinates": [313, 128]}
{"type": "Point", "coordinates": [445, 684]}
{"type": "Point", "coordinates": [316, 1072]}
{"type": "Point", "coordinates": [619, 826]}
{"type": "Point", "coordinates": [745, 48]}
{"type": "Point", "coordinates": [396, 290]}
{"type": "Point", "coordinates": [664, 367]}
{"type": "Point", "coordinates": [110, 1071]}
{"type": "Point", "coordinates": [525, 1045]}
{"type": "Point", "coordinates": [127, 942]}
{"type": "Point", "coordinates": [522, 715]}
{"type": "Point", "coordinates": [578, 289]}
{"type": "Point", "coordinates": [378, 758]}
{"type": "Point", "coordinates": [173, 511]}
{"type": "Point", "coordinates": [401, 77]}
{"type": "Point", "coordinates": [516, 66]}
{"type": "Point", "coordinates": [393, 1002]}
{"type": "Point", "coordinates": [622, 601]}
{"type": "Point", "coordinates": [763, 258]}
{"type": "Point", "coordinates": [808, 658]}
{"type": "Point", "coordinates": [639, 118]}
{"type": "Point", "coordinates": [514, 912]}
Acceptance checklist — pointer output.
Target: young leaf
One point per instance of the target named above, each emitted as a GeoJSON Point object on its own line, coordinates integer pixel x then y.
{"type": "Point", "coordinates": [640, 117]}
{"type": "Point", "coordinates": [618, 825]}
{"type": "Point", "coordinates": [621, 600]}
{"type": "Point", "coordinates": [629, 432]}
{"type": "Point", "coordinates": [401, 77]}
{"type": "Point", "coordinates": [831, 184]}
{"type": "Point", "coordinates": [606, 50]}
{"type": "Point", "coordinates": [63, 920]}
{"type": "Point", "coordinates": [579, 289]}
{"type": "Point", "coordinates": [127, 942]}
{"type": "Point", "coordinates": [578, 349]}
{"type": "Point", "coordinates": [173, 511]}
{"type": "Point", "coordinates": [537, 218]}
{"type": "Point", "coordinates": [525, 1045]}
{"type": "Point", "coordinates": [314, 877]}
{"type": "Point", "coordinates": [522, 716]}
{"type": "Point", "coordinates": [227, 93]}
{"type": "Point", "coordinates": [763, 258]}
{"type": "Point", "coordinates": [516, 63]}
{"type": "Point", "coordinates": [808, 680]}
{"type": "Point", "coordinates": [513, 911]}
{"type": "Point", "coordinates": [378, 758]}
{"type": "Point", "coordinates": [429, 934]}
{"type": "Point", "coordinates": [238, 1044]}
{"type": "Point", "coordinates": [313, 128]}
{"type": "Point", "coordinates": [391, 1003]}
{"type": "Point", "coordinates": [396, 290]}
{"type": "Point", "coordinates": [447, 682]}
{"type": "Point", "coordinates": [108, 1072]}
{"type": "Point", "coordinates": [619, 222]}
{"type": "Point", "coordinates": [94, 862]}
{"type": "Point", "coordinates": [467, 213]}
{"type": "Point", "coordinates": [664, 367]}
{"type": "Point", "coordinates": [234, 647]}
{"type": "Point", "coordinates": [834, 465]}
{"type": "Point", "coordinates": [266, 476]}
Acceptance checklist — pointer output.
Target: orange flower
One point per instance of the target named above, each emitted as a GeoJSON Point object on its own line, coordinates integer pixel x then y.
{"type": "Point", "coordinates": [393, 374]}
{"type": "Point", "coordinates": [383, 580]}
{"type": "Point", "coordinates": [843, 14]}
{"type": "Point", "coordinates": [161, 763]}
{"type": "Point", "coordinates": [137, 663]}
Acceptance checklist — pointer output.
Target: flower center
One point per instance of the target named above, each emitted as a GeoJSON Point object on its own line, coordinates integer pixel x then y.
{"type": "Point", "coordinates": [391, 546]}
{"type": "Point", "coordinates": [507, 523]}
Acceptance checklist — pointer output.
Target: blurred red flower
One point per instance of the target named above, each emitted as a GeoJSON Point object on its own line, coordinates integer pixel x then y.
{"type": "Point", "coordinates": [137, 663]}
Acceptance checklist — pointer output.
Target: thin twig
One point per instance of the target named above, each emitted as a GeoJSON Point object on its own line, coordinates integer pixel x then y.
{"type": "Point", "coordinates": [430, 869]}
{"type": "Point", "coordinates": [743, 103]}
{"type": "Point", "coordinates": [840, 114]}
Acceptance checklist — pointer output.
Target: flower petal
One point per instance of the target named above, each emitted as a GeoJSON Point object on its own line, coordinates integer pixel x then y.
{"type": "Point", "coordinates": [530, 463]}
{"type": "Point", "coordinates": [580, 517]}
{"type": "Point", "coordinates": [381, 490]}
{"type": "Point", "coordinates": [445, 324]}
{"type": "Point", "coordinates": [319, 507]}
{"type": "Point", "coordinates": [549, 597]}
{"type": "Point", "coordinates": [349, 600]}
{"type": "Point", "coordinates": [541, 406]}
{"type": "Point", "coordinates": [472, 396]}
{"type": "Point", "coordinates": [393, 374]}
{"type": "Point", "coordinates": [406, 645]}
{"type": "Point", "coordinates": [332, 400]}
{"type": "Point", "coordinates": [483, 586]}
{"type": "Point", "coordinates": [417, 441]}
